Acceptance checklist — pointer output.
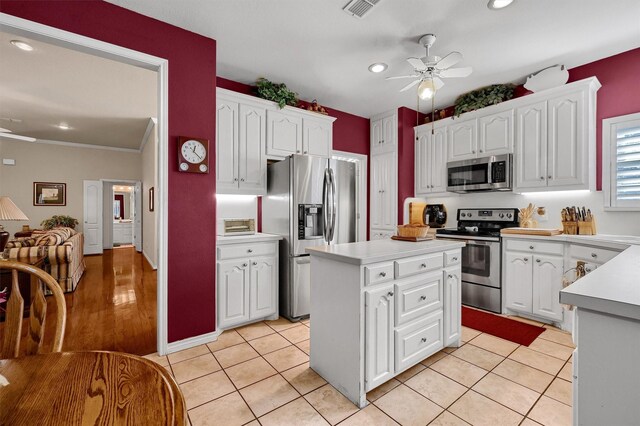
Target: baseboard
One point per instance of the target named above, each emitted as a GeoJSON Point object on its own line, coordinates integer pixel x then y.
{"type": "Point", "coordinates": [153, 265]}
{"type": "Point", "coordinates": [191, 342]}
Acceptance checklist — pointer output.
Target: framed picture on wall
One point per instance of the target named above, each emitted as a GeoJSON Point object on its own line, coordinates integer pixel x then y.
{"type": "Point", "coordinates": [49, 194]}
{"type": "Point", "coordinates": [152, 199]}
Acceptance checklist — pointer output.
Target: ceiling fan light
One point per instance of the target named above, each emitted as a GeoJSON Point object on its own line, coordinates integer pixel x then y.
{"type": "Point", "coordinates": [22, 45]}
{"type": "Point", "coordinates": [498, 4]}
{"type": "Point", "coordinates": [377, 67]}
{"type": "Point", "coordinates": [426, 89]}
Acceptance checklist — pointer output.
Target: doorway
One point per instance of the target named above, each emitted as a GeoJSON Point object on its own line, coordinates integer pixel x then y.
{"type": "Point", "coordinates": [360, 161]}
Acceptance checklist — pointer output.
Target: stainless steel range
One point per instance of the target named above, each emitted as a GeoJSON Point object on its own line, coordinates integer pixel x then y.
{"type": "Point", "coordinates": [481, 257]}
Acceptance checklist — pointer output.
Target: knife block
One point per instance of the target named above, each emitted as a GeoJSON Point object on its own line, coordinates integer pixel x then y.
{"type": "Point", "coordinates": [570, 227]}
{"type": "Point", "coordinates": [587, 227]}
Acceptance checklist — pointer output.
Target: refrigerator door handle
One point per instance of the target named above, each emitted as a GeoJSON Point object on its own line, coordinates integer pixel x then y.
{"type": "Point", "coordinates": [325, 204]}
{"type": "Point", "coordinates": [333, 204]}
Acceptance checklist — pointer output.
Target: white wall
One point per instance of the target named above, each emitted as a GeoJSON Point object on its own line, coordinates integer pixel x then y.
{"type": "Point", "coordinates": [57, 163]}
{"type": "Point", "coordinates": [237, 207]}
{"type": "Point", "coordinates": [149, 180]}
{"type": "Point", "coordinates": [608, 222]}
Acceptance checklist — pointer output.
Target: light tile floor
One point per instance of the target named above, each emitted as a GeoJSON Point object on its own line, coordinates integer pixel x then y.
{"type": "Point", "coordinates": [260, 375]}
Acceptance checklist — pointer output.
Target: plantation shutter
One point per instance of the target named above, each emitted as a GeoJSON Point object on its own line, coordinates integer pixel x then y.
{"type": "Point", "coordinates": [627, 161]}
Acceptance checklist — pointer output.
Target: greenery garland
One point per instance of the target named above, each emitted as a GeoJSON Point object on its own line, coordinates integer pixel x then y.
{"type": "Point", "coordinates": [480, 98]}
{"type": "Point", "coordinates": [276, 92]}
{"type": "Point", "coordinates": [57, 221]}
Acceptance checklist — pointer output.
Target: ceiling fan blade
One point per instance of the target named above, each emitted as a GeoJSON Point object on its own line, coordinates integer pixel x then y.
{"type": "Point", "coordinates": [410, 85]}
{"type": "Point", "coordinates": [450, 60]}
{"type": "Point", "coordinates": [456, 72]}
{"type": "Point", "coordinates": [437, 83]}
{"type": "Point", "coordinates": [417, 64]}
{"type": "Point", "coordinates": [402, 76]}
{"type": "Point", "coordinates": [12, 136]}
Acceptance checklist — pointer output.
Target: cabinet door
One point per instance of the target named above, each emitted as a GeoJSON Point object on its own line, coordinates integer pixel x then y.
{"type": "Point", "coordinates": [376, 136]}
{"type": "Point", "coordinates": [531, 146]}
{"type": "Point", "coordinates": [317, 138]}
{"type": "Point", "coordinates": [463, 140]}
{"type": "Point", "coordinates": [389, 133]}
{"type": "Point", "coordinates": [264, 279]}
{"type": "Point", "coordinates": [252, 161]}
{"type": "Point", "coordinates": [518, 281]}
{"type": "Point", "coordinates": [547, 283]}
{"type": "Point", "coordinates": [423, 171]}
{"type": "Point", "coordinates": [567, 141]}
{"type": "Point", "coordinates": [452, 306]}
{"type": "Point", "coordinates": [379, 347]}
{"type": "Point", "coordinates": [388, 203]}
{"type": "Point", "coordinates": [284, 134]}
{"type": "Point", "coordinates": [496, 133]}
{"type": "Point", "coordinates": [226, 146]}
{"type": "Point", "coordinates": [377, 182]}
{"type": "Point", "coordinates": [438, 161]}
{"type": "Point", "coordinates": [233, 292]}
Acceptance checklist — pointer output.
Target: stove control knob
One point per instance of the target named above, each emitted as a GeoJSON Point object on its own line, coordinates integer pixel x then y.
{"type": "Point", "coordinates": [463, 214]}
{"type": "Point", "coordinates": [469, 214]}
{"type": "Point", "coordinates": [501, 215]}
{"type": "Point", "coordinates": [509, 215]}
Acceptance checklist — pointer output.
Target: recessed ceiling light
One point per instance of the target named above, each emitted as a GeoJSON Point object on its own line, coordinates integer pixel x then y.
{"type": "Point", "coordinates": [63, 126]}
{"type": "Point", "coordinates": [22, 45]}
{"type": "Point", "coordinates": [498, 4]}
{"type": "Point", "coordinates": [377, 67]}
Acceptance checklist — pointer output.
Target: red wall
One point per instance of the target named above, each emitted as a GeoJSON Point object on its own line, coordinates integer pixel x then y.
{"type": "Point", "coordinates": [619, 94]}
{"type": "Point", "coordinates": [192, 77]}
{"type": "Point", "coordinates": [407, 120]}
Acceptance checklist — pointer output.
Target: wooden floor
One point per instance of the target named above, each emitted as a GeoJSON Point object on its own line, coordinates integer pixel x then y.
{"type": "Point", "coordinates": [113, 307]}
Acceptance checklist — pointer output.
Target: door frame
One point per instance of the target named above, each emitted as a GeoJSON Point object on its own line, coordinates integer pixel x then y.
{"type": "Point", "coordinates": [58, 37]}
{"type": "Point", "coordinates": [361, 161]}
{"type": "Point", "coordinates": [138, 201]}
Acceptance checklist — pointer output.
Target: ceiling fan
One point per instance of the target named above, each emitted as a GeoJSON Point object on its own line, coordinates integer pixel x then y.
{"type": "Point", "coordinates": [430, 70]}
{"type": "Point", "coordinates": [6, 133]}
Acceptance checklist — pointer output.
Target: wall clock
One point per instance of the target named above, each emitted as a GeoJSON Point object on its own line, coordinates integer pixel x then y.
{"type": "Point", "coordinates": [193, 155]}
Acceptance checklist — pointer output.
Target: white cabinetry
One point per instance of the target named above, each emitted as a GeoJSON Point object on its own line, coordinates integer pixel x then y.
{"type": "Point", "coordinates": [317, 137]}
{"type": "Point", "coordinates": [284, 134]}
{"type": "Point", "coordinates": [430, 161]}
{"type": "Point", "coordinates": [495, 133]}
{"type": "Point", "coordinates": [384, 133]}
{"type": "Point", "coordinates": [531, 146]}
{"type": "Point", "coordinates": [547, 283]}
{"type": "Point", "coordinates": [383, 187]}
{"type": "Point", "coordinates": [123, 232]}
{"type": "Point", "coordinates": [247, 282]}
{"type": "Point", "coordinates": [452, 300]}
{"type": "Point", "coordinates": [379, 306]}
{"type": "Point", "coordinates": [463, 140]}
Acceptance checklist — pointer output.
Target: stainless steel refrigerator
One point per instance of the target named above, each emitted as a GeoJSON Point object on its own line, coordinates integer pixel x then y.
{"type": "Point", "coordinates": [311, 201]}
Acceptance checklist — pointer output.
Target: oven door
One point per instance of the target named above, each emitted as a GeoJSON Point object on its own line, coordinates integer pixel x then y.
{"type": "Point", "coordinates": [468, 175]}
{"type": "Point", "coordinates": [481, 262]}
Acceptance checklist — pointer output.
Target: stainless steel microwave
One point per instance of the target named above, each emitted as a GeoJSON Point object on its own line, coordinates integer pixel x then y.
{"type": "Point", "coordinates": [480, 174]}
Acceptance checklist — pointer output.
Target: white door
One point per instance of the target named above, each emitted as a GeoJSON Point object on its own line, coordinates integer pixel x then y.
{"type": "Point", "coordinates": [262, 294]}
{"type": "Point", "coordinates": [379, 348]}
{"type": "Point", "coordinates": [284, 134]}
{"type": "Point", "coordinates": [438, 161]}
{"type": "Point", "coordinates": [377, 170]}
{"type": "Point", "coordinates": [463, 140]}
{"type": "Point", "coordinates": [317, 138]}
{"type": "Point", "coordinates": [376, 136]}
{"type": "Point", "coordinates": [547, 283]}
{"type": "Point", "coordinates": [137, 216]}
{"type": "Point", "coordinates": [566, 140]}
{"type": "Point", "coordinates": [226, 146]}
{"type": "Point", "coordinates": [531, 146]}
{"type": "Point", "coordinates": [233, 292]}
{"type": "Point", "coordinates": [422, 161]}
{"type": "Point", "coordinates": [496, 133]}
{"type": "Point", "coordinates": [252, 169]}
{"type": "Point", "coordinates": [452, 303]}
{"type": "Point", "coordinates": [518, 281]}
{"type": "Point", "coordinates": [92, 228]}
{"type": "Point", "coordinates": [389, 133]}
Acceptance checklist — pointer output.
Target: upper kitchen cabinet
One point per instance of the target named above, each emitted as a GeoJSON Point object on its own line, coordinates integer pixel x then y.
{"type": "Point", "coordinates": [296, 131]}
{"type": "Point", "coordinates": [555, 139]}
{"type": "Point", "coordinates": [384, 196]}
{"type": "Point", "coordinates": [384, 133]}
{"type": "Point", "coordinates": [430, 160]}
{"type": "Point", "coordinates": [495, 134]}
{"type": "Point", "coordinates": [284, 134]}
{"type": "Point", "coordinates": [317, 137]}
{"type": "Point", "coordinates": [463, 140]}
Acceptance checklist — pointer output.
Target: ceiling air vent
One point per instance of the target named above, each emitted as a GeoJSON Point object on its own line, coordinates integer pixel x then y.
{"type": "Point", "coordinates": [359, 8]}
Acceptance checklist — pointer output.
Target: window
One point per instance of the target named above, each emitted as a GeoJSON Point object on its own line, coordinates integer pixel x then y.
{"type": "Point", "coordinates": [621, 162]}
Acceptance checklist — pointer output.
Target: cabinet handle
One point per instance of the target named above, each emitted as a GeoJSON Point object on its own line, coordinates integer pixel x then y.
{"type": "Point", "coordinates": [250, 251]}
{"type": "Point", "coordinates": [450, 276]}
{"type": "Point", "coordinates": [305, 152]}
{"type": "Point", "coordinates": [242, 180]}
{"type": "Point", "coordinates": [390, 294]}
{"type": "Point", "coordinates": [424, 265]}
{"type": "Point", "coordinates": [255, 263]}
{"type": "Point", "coordinates": [594, 255]}
{"type": "Point", "coordinates": [382, 141]}
{"type": "Point", "coordinates": [235, 179]}
{"type": "Point", "coordinates": [383, 274]}
{"type": "Point", "coordinates": [526, 259]}
{"type": "Point", "coordinates": [538, 260]}
{"type": "Point", "coordinates": [423, 297]}
{"type": "Point", "coordinates": [531, 247]}
{"type": "Point", "coordinates": [423, 340]}
{"type": "Point", "coordinates": [244, 265]}
{"type": "Point", "coordinates": [454, 259]}
{"type": "Point", "coordinates": [481, 151]}
{"type": "Point", "coordinates": [473, 151]}
{"type": "Point", "coordinates": [541, 177]}
{"type": "Point", "coordinates": [549, 177]}
{"type": "Point", "coordinates": [298, 151]}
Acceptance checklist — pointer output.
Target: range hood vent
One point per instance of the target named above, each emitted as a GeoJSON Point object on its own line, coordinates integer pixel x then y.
{"type": "Point", "coordinates": [359, 8]}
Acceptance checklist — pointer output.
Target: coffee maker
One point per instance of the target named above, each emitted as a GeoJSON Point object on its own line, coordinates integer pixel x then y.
{"type": "Point", "coordinates": [435, 215]}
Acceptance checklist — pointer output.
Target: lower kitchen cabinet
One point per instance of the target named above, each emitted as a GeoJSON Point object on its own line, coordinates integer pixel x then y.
{"type": "Point", "coordinates": [379, 318]}
{"type": "Point", "coordinates": [452, 298]}
{"type": "Point", "coordinates": [247, 284]}
{"type": "Point", "coordinates": [547, 283]}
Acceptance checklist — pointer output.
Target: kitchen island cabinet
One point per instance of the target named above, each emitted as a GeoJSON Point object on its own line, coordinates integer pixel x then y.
{"type": "Point", "coordinates": [380, 307]}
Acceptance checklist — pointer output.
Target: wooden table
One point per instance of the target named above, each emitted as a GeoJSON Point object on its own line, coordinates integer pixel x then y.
{"type": "Point", "coordinates": [97, 388]}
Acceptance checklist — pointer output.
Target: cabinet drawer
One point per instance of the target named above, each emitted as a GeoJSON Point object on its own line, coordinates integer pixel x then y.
{"type": "Point", "coordinates": [415, 265]}
{"type": "Point", "coordinates": [246, 250]}
{"type": "Point", "coordinates": [417, 341]}
{"type": "Point", "coordinates": [452, 257]}
{"type": "Point", "coordinates": [591, 254]}
{"type": "Point", "coordinates": [535, 246]}
{"type": "Point", "coordinates": [377, 274]}
{"type": "Point", "coordinates": [418, 296]}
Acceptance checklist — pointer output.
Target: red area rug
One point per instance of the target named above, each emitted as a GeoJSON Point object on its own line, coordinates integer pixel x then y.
{"type": "Point", "coordinates": [505, 328]}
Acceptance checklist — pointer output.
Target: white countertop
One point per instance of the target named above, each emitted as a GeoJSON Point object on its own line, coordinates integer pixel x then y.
{"type": "Point", "coordinates": [612, 288]}
{"type": "Point", "coordinates": [618, 242]}
{"type": "Point", "coordinates": [258, 237]}
{"type": "Point", "coordinates": [365, 252]}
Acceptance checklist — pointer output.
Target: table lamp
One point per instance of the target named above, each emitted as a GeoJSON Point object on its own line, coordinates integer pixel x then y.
{"type": "Point", "coordinates": [8, 211]}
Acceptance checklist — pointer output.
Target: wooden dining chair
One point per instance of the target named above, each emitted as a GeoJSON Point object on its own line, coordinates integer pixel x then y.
{"type": "Point", "coordinates": [15, 311]}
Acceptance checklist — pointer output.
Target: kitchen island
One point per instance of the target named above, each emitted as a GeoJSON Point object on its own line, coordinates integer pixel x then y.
{"type": "Point", "coordinates": [380, 307]}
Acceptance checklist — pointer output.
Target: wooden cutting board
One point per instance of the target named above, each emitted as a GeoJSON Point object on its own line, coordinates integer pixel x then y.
{"type": "Point", "coordinates": [532, 231]}
{"type": "Point", "coordinates": [413, 239]}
